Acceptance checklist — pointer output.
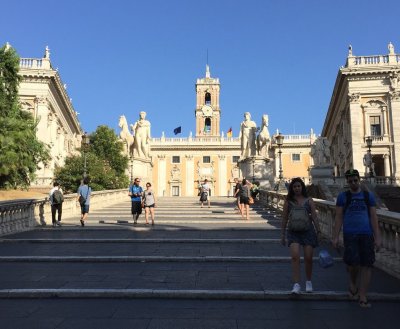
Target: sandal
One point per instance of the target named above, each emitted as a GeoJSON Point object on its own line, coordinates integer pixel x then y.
{"type": "Point", "coordinates": [364, 303]}
{"type": "Point", "coordinates": [353, 294]}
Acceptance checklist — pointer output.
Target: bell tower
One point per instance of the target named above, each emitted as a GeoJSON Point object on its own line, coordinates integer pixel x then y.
{"type": "Point", "coordinates": [208, 112]}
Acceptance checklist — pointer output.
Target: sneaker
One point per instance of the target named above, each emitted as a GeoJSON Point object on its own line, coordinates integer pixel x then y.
{"type": "Point", "coordinates": [58, 223]}
{"type": "Point", "coordinates": [296, 289]}
{"type": "Point", "coordinates": [309, 286]}
{"type": "Point", "coordinates": [54, 224]}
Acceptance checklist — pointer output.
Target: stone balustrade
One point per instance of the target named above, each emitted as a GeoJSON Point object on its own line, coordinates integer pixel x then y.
{"type": "Point", "coordinates": [24, 215]}
{"type": "Point", "coordinates": [195, 140]}
{"type": "Point", "coordinates": [387, 259]}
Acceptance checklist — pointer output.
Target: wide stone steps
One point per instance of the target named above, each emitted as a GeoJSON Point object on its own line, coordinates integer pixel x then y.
{"type": "Point", "coordinates": [208, 253]}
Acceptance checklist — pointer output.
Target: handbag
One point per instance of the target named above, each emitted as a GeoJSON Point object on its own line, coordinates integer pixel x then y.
{"type": "Point", "coordinates": [325, 260]}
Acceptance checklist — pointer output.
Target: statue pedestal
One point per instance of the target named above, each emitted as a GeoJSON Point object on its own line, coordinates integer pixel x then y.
{"type": "Point", "coordinates": [322, 174]}
{"type": "Point", "coordinates": [259, 169]}
{"type": "Point", "coordinates": [142, 168]}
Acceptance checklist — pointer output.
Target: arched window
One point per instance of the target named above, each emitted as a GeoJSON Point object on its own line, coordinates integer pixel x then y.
{"type": "Point", "coordinates": [207, 99]}
{"type": "Point", "coordinates": [207, 125]}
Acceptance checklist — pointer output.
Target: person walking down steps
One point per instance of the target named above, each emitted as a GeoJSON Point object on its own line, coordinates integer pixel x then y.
{"type": "Point", "coordinates": [205, 193]}
{"type": "Point", "coordinates": [300, 227]}
{"type": "Point", "coordinates": [136, 193]}
{"type": "Point", "coordinates": [356, 211]}
{"type": "Point", "coordinates": [149, 200]}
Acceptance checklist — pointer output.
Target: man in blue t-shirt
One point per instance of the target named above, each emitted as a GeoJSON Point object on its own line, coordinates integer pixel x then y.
{"type": "Point", "coordinates": [356, 211]}
{"type": "Point", "coordinates": [136, 193]}
{"type": "Point", "coordinates": [84, 192]}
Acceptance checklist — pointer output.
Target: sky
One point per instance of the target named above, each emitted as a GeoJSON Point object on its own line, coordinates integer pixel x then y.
{"type": "Point", "coordinates": [279, 58]}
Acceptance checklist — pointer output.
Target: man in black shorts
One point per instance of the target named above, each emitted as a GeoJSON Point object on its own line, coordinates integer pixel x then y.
{"type": "Point", "coordinates": [356, 210]}
{"type": "Point", "coordinates": [136, 193]}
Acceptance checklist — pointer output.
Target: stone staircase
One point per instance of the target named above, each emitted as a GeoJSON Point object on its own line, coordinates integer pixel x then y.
{"type": "Point", "coordinates": [191, 253]}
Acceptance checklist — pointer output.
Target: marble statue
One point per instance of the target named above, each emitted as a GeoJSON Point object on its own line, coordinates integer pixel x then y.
{"type": "Point", "coordinates": [320, 151]}
{"type": "Point", "coordinates": [391, 48]}
{"type": "Point", "coordinates": [125, 136]}
{"type": "Point", "coordinates": [141, 130]}
{"type": "Point", "coordinates": [263, 138]}
{"type": "Point", "coordinates": [247, 136]}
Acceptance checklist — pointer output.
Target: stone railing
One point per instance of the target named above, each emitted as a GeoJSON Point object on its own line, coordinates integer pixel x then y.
{"type": "Point", "coordinates": [24, 215]}
{"type": "Point", "coordinates": [195, 140]}
{"type": "Point", "coordinates": [34, 63]}
{"type": "Point", "coordinates": [387, 259]}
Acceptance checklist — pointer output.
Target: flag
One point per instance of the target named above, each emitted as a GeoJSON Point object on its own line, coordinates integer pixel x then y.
{"type": "Point", "coordinates": [229, 133]}
{"type": "Point", "coordinates": [178, 130]}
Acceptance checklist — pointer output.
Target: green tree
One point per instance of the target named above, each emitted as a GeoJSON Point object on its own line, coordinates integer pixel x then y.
{"type": "Point", "coordinates": [106, 145]}
{"type": "Point", "coordinates": [105, 164]}
{"type": "Point", "coordinates": [20, 150]}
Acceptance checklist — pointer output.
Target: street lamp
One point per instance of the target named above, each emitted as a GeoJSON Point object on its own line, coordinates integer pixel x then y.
{"type": "Point", "coordinates": [368, 140]}
{"type": "Point", "coordinates": [254, 161]}
{"type": "Point", "coordinates": [279, 141]}
{"type": "Point", "coordinates": [85, 144]}
{"type": "Point", "coordinates": [131, 169]}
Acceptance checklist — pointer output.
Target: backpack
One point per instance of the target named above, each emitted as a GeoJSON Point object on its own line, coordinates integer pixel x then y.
{"type": "Point", "coordinates": [58, 197]}
{"type": "Point", "coordinates": [299, 219]}
{"type": "Point", "coordinates": [349, 198]}
{"type": "Point", "coordinates": [82, 199]}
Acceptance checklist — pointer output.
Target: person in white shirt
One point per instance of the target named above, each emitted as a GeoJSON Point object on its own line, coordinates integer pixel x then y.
{"type": "Point", "coordinates": [205, 193]}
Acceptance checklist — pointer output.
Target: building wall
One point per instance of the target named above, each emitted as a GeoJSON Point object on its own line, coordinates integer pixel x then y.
{"type": "Point", "coordinates": [367, 90]}
{"type": "Point", "coordinates": [42, 93]}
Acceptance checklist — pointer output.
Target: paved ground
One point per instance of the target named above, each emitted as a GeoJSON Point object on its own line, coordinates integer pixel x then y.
{"type": "Point", "coordinates": [196, 268]}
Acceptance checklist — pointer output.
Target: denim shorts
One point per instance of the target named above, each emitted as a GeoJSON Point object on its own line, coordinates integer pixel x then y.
{"type": "Point", "coordinates": [359, 249]}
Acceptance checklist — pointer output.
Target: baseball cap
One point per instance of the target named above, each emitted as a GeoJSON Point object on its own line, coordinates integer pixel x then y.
{"type": "Point", "coordinates": [352, 172]}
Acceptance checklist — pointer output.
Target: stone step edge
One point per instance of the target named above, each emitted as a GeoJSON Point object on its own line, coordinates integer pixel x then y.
{"type": "Point", "coordinates": [185, 221]}
{"type": "Point", "coordinates": [188, 294]}
{"type": "Point", "coordinates": [135, 259]}
{"type": "Point", "coordinates": [149, 240]}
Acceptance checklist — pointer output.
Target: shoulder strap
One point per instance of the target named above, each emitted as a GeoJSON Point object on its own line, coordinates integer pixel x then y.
{"type": "Point", "coordinates": [366, 200]}
{"type": "Point", "coordinates": [348, 201]}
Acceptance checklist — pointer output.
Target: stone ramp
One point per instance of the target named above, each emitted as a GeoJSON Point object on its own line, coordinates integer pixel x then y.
{"type": "Point", "coordinates": [192, 261]}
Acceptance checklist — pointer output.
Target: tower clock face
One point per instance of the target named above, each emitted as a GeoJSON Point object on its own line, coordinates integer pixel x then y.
{"type": "Point", "coordinates": [207, 110]}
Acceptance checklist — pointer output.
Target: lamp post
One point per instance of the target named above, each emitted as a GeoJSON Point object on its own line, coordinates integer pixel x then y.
{"type": "Point", "coordinates": [368, 140]}
{"type": "Point", "coordinates": [253, 159]}
{"type": "Point", "coordinates": [131, 169]}
{"type": "Point", "coordinates": [279, 141]}
{"type": "Point", "coordinates": [85, 144]}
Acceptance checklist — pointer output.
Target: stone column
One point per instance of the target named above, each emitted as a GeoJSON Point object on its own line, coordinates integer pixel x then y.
{"type": "Point", "coordinates": [162, 176]}
{"type": "Point", "coordinates": [395, 112]}
{"type": "Point", "coordinates": [387, 164]}
{"type": "Point", "coordinates": [189, 175]}
{"type": "Point", "coordinates": [222, 176]}
{"type": "Point", "coordinates": [356, 119]}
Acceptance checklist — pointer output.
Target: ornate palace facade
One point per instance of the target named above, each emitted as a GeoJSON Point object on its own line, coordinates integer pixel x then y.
{"type": "Point", "coordinates": [42, 93]}
{"type": "Point", "coordinates": [179, 164]}
{"type": "Point", "coordinates": [366, 103]}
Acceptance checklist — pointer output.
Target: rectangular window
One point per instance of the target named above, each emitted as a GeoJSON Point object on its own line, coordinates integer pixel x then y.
{"type": "Point", "coordinates": [175, 190]}
{"type": "Point", "coordinates": [176, 159]}
{"type": "Point", "coordinates": [375, 122]}
{"type": "Point", "coordinates": [235, 158]}
{"type": "Point", "coordinates": [206, 159]}
{"type": "Point", "coordinates": [295, 157]}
